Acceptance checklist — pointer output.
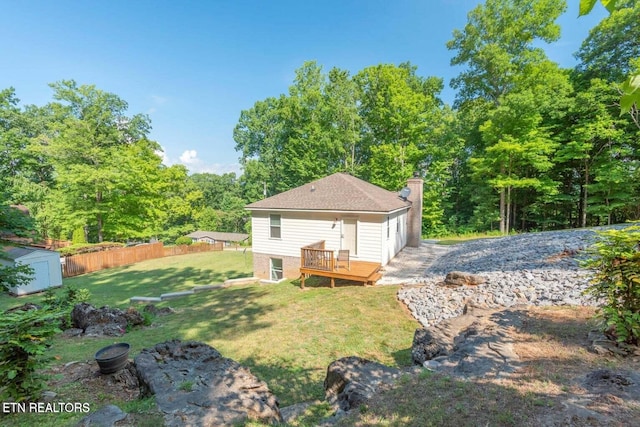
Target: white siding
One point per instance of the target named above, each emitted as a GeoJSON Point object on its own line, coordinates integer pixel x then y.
{"type": "Point", "coordinates": [397, 236]}
{"type": "Point", "coordinates": [369, 229]}
{"type": "Point", "coordinates": [299, 229]}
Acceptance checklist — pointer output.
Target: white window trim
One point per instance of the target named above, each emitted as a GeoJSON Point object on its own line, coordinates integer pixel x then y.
{"type": "Point", "coordinates": [278, 226]}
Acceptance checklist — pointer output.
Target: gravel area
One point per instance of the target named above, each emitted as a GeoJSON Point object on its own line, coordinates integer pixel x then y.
{"type": "Point", "coordinates": [534, 268]}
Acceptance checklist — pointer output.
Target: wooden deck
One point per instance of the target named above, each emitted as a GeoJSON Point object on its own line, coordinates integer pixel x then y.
{"type": "Point", "coordinates": [316, 261]}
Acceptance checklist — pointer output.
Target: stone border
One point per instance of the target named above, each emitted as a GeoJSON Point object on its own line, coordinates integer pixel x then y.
{"type": "Point", "coordinates": [194, 290]}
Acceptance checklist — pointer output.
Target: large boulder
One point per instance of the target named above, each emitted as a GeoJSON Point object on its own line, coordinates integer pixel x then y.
{"type": "Point", "coordinates": [474, 345]}
{"type": "Point", "coordinates": [107, 416]}
{"type": "Point", "coordinates": [459, 278]}
{"type": "Point", "coordinates": [103, 321]}
{"type": "Point", "coordinates": [440, 340]}
{"type": "Point", "coordinates": [352, 381]}
{"type": "Point", "coordinates": [194, 385]}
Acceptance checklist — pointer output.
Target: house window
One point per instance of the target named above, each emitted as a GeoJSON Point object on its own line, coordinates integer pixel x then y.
{"type": "Point", "coordinates": [274, 226]}
{"type": "Point", "coordinates": [388, 227]}
{"type": "Point", "coordinates": [276, 269]}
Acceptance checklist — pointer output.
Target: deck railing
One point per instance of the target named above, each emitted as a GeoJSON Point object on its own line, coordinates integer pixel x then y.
{"type": "Point", "coordinates": [316, 257]}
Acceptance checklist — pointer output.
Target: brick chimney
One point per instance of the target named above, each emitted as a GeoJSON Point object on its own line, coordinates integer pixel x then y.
{"type": "Point", "coordinates": [414, 228]}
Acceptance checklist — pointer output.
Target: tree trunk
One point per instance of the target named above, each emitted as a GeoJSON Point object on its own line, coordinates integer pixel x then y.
{"type": "Point", "coordinates": [502, 211]}
{"type": "Point", "coordinates": [508, 211]}
{"type": "Point", "coordinates": [99, 217]}
{"type": "Point", "coordinates": [585, 195]}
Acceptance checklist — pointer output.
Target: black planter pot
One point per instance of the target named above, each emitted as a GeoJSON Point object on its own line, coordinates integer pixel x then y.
{"type": "Point", "coordinates": [112, 358]}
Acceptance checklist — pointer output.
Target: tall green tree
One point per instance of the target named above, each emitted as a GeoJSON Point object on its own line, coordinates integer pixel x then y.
{"type": "Point", "coordinates": [504, 72]}
{"type": "Point", "coordinates": [607, 51]}
{"type": "Point", "coordinates": [399, 110]}
{"type": "Point", "coordinates": [105, 166]}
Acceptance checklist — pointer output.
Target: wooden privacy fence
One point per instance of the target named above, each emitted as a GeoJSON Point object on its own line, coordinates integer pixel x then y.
{"type": "Point", "coordinates": [192, 249]}
{"type": "Point", "coordinates": [86, 263]}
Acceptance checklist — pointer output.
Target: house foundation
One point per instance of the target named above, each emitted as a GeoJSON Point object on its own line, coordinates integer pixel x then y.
{"type": "Point", "coordinates": [262, 266]}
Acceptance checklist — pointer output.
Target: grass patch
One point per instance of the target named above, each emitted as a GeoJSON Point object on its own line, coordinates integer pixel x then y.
{"type": "Point", "coordinates": [285, 335]}
{"type": "Point", "coordinates": [457, 239]}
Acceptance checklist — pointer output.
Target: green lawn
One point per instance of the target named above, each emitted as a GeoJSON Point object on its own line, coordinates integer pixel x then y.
{"type": "Point", "coordinates": [287, 336]}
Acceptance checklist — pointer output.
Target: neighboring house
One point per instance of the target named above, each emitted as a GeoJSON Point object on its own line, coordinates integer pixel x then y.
{"type": "Point", "coordinates": [47, 271]}
{"type": "Point", "coordinates": [346, 212]}
{"type": "Point", "coordinates": [215, 236]}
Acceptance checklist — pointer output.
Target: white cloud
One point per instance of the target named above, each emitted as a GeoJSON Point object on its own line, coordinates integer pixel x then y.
{"type": "Point", "coordinates": [163, 155]}
{"type": "Point", "coordinates": [190, 157]}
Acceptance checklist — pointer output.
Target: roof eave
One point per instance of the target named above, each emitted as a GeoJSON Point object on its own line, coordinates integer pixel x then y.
{"type": "Point", "coordinates": [330, 210]}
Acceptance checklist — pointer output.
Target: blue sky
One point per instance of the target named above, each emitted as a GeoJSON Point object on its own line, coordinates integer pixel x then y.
{"type": "Point", "coordinates": [193, 66]}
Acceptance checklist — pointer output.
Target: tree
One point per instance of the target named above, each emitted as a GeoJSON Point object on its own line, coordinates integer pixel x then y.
{"type": "Point", "coordinates": [343, 121]}
{"type": "Point", "coordinates": [630, 99]}
{"type": "Point", "coordinates": [181, 202]}
{"type": "Point", "coordinates": [106, 168]}
{"type": "Point", "coordinates": [213, 187]}
{"type": "Point", "coordinates": [398, 109]}
{"type": "Point", "coordinates": [503, 71]}
{"type": "Point", "coordinates": [611, 45]}
{"type": "Point", "coordinates": [595, 140]}
{"type": "Point", "coordinates": [12, 221]}
{"type": "Point", "coordinates": [498, 42]}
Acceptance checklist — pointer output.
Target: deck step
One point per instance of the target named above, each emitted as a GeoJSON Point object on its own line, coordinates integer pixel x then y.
{"type": "Point", "coordinates": [374, 278]}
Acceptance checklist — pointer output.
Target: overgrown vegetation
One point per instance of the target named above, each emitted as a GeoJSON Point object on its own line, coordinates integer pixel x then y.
{"type": "Point", "coordinates": [25, 336]}
{"type": "Point", "coordinates": [616, 282]}
{"type": "Point", "coordinates": [83, 248]}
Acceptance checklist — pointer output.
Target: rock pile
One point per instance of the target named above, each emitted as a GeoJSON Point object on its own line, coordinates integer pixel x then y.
{"type": "Point", "coordinates": [104, 321]}
{"type": "Point", "coordinates": [534, 269]}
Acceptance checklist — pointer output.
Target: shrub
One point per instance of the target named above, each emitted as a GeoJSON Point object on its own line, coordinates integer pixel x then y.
{"type": "Point", "coordinates": [616, 281]}
{"type": "Point", "coordinates": [184, 240]}
{"type": "Point", "coordinates": [78, 236]}
{"type": "Point", "coordinates": [24, 336]}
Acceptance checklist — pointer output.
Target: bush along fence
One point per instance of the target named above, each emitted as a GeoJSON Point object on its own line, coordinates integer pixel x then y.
{"type": "Point", "coordinates": [76, 265]}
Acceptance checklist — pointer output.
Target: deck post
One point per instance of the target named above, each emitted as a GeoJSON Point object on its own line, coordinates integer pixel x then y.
{"type": "Point", "coordinates": [302, 281]}
{"type": "Point", "coordinates": [333, 282]}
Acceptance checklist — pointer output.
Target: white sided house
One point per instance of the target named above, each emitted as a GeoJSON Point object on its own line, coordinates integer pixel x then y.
{"type": "Point", "coordinates": [345, 212]}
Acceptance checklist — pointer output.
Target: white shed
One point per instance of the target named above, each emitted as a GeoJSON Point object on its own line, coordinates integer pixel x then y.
{"type": "Point", "coordinates": [47, 271]}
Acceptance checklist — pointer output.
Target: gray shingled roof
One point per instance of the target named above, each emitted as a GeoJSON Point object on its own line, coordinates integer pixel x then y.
{"type": "Point", "coordinates": [339, 192]}
{"type": "Point", "coordinates": [15, 252]}
{"type": "Point", "coordinates": [219, 236]}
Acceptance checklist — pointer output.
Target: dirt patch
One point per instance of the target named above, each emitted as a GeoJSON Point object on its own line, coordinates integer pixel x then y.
{"type": "Point", "coordinates": [84, 378]}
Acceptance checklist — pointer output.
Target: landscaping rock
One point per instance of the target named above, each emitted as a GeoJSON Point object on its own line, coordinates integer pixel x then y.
{"type": "Point", "coordinates": [194, 385]}
{"type": "Point", "coordinates": [107, 416]}
{"type": "Point", "coordinates": [533, 268]}
{"type": "Point", "coordinates": [103, 321]}
{"type": "Point", "coordinates": [351, 381]}
{"type": "Point", "coordinates": [439, 340]}
{"type": "Point", "coordinates": [475, 344]}
{"type": "Point", "coordinates": [426, 347]}
{"type": "Point", "coordinates": [458, 278]}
